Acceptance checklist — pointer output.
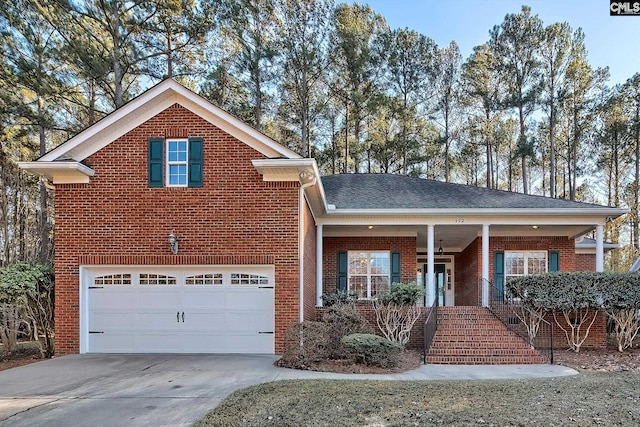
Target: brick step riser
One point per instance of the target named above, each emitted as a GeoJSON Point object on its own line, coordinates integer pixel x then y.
{"type": "Point", "coordinates": [470, 335]}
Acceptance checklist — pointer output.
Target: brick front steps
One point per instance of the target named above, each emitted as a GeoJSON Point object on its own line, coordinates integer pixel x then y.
{"type": "Point", "coordinates": [474, 336]}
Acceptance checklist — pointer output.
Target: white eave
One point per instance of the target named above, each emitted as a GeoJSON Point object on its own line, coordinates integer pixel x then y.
{"type": "Point", "coordinates": [149, 104]}
{"type": "Point", "coordinates": [62, 172]}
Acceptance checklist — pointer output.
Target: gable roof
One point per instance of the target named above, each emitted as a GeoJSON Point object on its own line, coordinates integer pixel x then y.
{"type": "Point", "coordinates": [133, 114]}
{"type": "Point", "coordinates": [386, 191]}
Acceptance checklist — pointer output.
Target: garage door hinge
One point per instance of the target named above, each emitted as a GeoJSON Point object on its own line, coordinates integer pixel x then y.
{"type": "Point", "coordinates": [96, 332]}
{"type": "Point", "coordinates": [265, 332]}
{"type": "Point", "coordinates": [96, 287]}
{"type": "Point", "coordinates": [265, 287]}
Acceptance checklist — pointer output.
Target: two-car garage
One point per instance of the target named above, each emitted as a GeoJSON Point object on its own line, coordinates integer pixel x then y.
{"type": "Point", "coordinates": [177, 309]}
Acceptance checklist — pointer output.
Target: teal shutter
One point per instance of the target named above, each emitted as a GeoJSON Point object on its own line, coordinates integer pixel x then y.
{"type": "Point", "coordinates": [195, 162]}
{"type": "Point", "coordinates": [156, 162]}
{"type": "Point", "coordinates": [343, 265]}
{"type": "Point", "coordinates": [554, 261]}
{"type": "Point", "coordinates": [498, 272]}
{"type": "Point", "coordinates": [395, 267]}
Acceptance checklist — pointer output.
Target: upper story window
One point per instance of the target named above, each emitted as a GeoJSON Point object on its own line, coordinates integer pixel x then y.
{"type": "Point", "coordinates": [176, 173]}
{"type": "Point", "coordinates": [175, 162]}
{"type": "Point", "coordinates": [524, 263]}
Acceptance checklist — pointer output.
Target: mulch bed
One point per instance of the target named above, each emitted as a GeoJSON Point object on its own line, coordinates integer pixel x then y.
{"type": "Point", "coordinates": [22, 356]}
{"type": "Point", "coordinates": [601, 360]}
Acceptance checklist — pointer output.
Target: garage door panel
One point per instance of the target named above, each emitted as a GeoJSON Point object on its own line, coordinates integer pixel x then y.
{"type": "Point", "coordinates": [205, 321]}
{"type": "Point", "coordinates": [158, 320]}
{"type": "Point", "coordinates": [123, 342]}
{"type": "Point", "coordinates": [249, 299]}
{"type": "Point", "coordinates": [258, 321]}
{"type": "Point", "coordinates": [158, 298]}
{"type": "Point", "coordinates": [111, 299]}
{"type": "Point", "coordinates": [196, 298]}
{"type": "Point", "coordinates": [226, 343]}
{"type": "Point", "coordinates": [158, 342]}
{"type": "Point", "coordinates": [107, 321]}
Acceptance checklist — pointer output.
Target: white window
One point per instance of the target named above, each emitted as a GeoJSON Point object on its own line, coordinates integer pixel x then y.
{"type": "Point", "coordinates": [524, 263]}
{"type": "Point", "coordinates": [369, 273]}
{"type": "Point", "coordinates": [177, 162]}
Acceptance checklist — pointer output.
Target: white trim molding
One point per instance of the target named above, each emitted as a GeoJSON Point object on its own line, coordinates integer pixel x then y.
{"type": "Point", "coordinates": [62, 172]}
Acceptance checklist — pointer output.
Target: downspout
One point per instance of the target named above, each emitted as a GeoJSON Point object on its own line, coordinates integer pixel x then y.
{"type": "Point", "coordinates": [307, 179]}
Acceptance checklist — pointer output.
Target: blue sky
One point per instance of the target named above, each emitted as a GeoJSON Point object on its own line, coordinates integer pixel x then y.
{"type": "Point", "coordinates": [612, 41]}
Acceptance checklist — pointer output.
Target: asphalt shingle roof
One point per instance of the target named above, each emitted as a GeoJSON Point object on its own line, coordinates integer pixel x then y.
{"type": "Point", "coordinates": [387, 191]}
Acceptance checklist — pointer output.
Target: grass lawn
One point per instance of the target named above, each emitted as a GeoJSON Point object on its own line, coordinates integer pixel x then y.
{"type": "Point", "coordinates": [582, 400]}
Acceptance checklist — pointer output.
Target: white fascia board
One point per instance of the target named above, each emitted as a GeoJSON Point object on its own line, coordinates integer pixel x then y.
{"type": "Point", "coordinates": [149, 104]}
{"type": "Point", "coordinates": [60, 172]}
{"type": "Point", "coordinates": [478, 217]}
{"type": "Point", "coordinates": [605, 211]}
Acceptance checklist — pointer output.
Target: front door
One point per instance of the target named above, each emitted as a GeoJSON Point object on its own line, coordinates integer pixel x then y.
{"type": "Point", "coordinates": [443, 282]}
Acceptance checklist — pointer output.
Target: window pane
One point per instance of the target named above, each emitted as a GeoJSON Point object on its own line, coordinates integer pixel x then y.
{"type": "Point", "coordinates": [536, 262]}
{"type": "Point", "coordinates": [358, 263]}
{"type": "Point", "coordinates": [177, 174]}
{"type": "Point", "coordinates": [358, 285]}
{"type": "Point", "coordinates": [514, 263]}
{"type": "Point", "coordinates": [177, 151]}
{"type": "Point", "coordinates": [380, 263]}
{"type": "Point", "coordinates": [379, 284]}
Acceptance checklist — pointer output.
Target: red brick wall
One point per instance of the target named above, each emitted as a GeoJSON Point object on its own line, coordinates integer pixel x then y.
{"type": "Point", "coordinates": [468, 270]}
{"type": "Point", "coordinates": [309, 265]}
{"type": "Point", "coordinates": [585, 262]}
{"type": "Point", "coordinates": [333, 245]}
{"type": "Point", "coordinates": [235, 214]}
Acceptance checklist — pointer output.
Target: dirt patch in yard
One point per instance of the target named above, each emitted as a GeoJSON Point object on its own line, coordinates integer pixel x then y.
{"type": "Point", "coordinates": [601, 360]}
{"type": "Point", "coordinates": [410, 360]}
{"type": "Point", "coordinates": [22, 356]}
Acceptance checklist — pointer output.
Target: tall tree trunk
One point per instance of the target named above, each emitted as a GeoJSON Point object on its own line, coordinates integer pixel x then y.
{"type": "Point", "coordinates": [523, 158]}
{"type": "Point", "coordinates": [552, 153]}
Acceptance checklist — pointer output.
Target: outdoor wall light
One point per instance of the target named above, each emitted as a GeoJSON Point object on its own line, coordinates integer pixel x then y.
{"type": "Point", "coordinates": [173, 243]}
{"type": "Point", "coordinates": [535, 227]}
{"type": "Point", "coordinates": [370, 227]}
{"type": "Point", "coordinates": [440, 250]}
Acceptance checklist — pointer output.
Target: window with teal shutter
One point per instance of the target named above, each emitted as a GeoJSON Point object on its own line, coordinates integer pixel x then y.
{"type": "Point", "coordinates": [156, 162]}
{"type": "Point", "coordinates": [195, 162]}
{"type": "Point", "coordinates": [175, 162]}
{"type": "Point", "coordinates": [498, 273]}
{"type": "Point", "coordinates": [554, 261]}
{"type": "Point", "coordinates": [343, 265]}
{"type": "Point", "coordinates": [395, 267]}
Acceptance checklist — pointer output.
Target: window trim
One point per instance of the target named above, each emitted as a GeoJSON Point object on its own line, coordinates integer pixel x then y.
{"type": "Point", "coordinates": [169, 163]}
{"type": "Point", "coordinates": [369, 276]}
{"type": "Point", "coordinates": [525, 263]}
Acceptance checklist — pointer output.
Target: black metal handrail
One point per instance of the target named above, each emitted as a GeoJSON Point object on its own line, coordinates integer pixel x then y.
{"type": "Point", "coordinates": [505, 307]}
{"type": "Point", "coordinates": [430, 327]}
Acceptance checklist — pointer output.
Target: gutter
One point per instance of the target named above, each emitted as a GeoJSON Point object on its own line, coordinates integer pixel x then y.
{"type": "Point", "coordinates": [304, 176]}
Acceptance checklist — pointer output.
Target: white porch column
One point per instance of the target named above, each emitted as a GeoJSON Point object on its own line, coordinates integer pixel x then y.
{"type": "Point", "coordinates": [485, 265]}
{"type": "Point", "coordinates": [599, 247]}
{"type": "Point", "coordinates": [319, 265]}
{"type": "Point", "coordinates": [431, 292]}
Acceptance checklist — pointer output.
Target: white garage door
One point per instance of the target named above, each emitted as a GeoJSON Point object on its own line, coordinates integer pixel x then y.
{"type": "Point", "coordinates": [226, 309]}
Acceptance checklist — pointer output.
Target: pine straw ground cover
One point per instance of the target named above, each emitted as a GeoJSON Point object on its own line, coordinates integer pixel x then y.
{"type": "Point", "coordinates": [588, 399]}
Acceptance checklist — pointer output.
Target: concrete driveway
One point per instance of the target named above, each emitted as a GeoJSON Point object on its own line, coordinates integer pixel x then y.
{"type": "Point", "coordinates": [171, 390]}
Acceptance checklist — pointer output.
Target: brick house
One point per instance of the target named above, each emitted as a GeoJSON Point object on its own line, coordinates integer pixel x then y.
{"type": "Point", "coordinates": [179, 228]}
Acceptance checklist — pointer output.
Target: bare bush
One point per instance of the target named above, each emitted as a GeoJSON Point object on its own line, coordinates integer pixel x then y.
{"type": "Point", "coordinates": [304, 343]}
{"type": "Point", "coordinates": [342, 319]}
{"type": "Point", "coordinates": [396, 321]}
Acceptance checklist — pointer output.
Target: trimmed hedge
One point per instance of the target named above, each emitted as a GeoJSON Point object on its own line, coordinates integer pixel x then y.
{"type": "Point", "coordinates": [372, 350]}
{"type": "Point", "coordinates": [402, 294]}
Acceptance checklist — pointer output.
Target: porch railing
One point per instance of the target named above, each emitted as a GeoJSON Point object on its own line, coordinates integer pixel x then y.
{"type": "Point", "coordinates": [430, 327]}
{"type": "Point", "coordinates": [509, 311]}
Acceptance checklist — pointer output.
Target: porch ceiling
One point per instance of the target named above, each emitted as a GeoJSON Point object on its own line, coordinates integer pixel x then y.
{"type": "Point", "coordinates": [454, 237]}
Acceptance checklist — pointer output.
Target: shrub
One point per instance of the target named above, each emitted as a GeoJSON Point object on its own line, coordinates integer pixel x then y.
{"type": "Point", "coordinates": [342, 319]}
{"type": "Point", "coordinates": [372, 350]}
{"type": "Point", "coordinates": [396, 311]}
{"type": "Point", "coordinates": [621, 300]}
{"type": "Point", "coordinates": [333, 298]}
{"type": "Point", "coordinates": [402, 294]}
{"type": "Point", "coordinates": [303, 343]}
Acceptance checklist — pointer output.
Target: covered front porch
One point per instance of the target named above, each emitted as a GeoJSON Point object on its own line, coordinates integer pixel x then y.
{"type": "Point", "coordinates": [455, 259]}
